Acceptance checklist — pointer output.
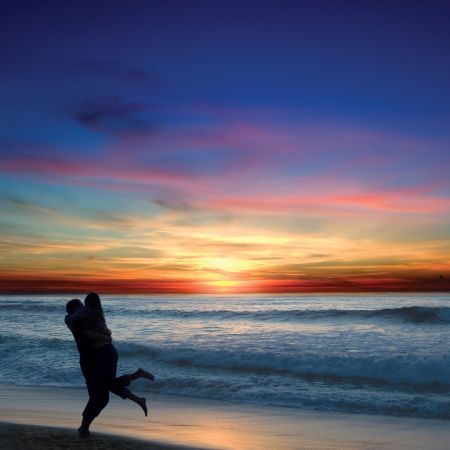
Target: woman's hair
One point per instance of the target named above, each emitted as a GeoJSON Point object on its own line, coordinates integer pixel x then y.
{"type": "Point", "coordinates": [93, 301]}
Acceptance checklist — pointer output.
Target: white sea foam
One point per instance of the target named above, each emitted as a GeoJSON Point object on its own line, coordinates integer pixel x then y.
{"type": "Point", "coordinates": [399, 369]}
{"type": "Point", "coordinates": [376, 354]}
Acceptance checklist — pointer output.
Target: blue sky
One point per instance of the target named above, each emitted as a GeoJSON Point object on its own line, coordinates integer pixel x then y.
{"type": "Point", "coordinates": [247, 128]}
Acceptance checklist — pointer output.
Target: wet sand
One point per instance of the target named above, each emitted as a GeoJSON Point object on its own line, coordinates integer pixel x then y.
{"type": "Point", "coordinates": [196, 423]}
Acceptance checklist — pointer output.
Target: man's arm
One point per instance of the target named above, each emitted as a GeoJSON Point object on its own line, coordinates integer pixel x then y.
{"type": "Point", "coordinates": [79, 318]}
{"type": "Point", "coordinates": [94, 336]}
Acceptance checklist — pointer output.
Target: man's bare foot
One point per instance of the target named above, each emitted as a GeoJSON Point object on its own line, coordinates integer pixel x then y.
{"type": "Point", "coordinates": [84, 432]}
{"type": "Point", "coordinates": [141, 373]}
{"type": "Point", "coordinates": [143, 404]}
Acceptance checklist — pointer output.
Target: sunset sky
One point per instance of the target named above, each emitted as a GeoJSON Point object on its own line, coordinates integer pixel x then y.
{"type": "Point", "coordinates": [220, 146]}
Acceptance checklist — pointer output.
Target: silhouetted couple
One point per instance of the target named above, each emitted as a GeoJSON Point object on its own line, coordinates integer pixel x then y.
{"type": "Point", "coordinates": [98, 359]}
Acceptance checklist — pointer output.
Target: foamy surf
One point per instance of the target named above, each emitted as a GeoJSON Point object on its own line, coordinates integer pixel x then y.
{"type": "Point", "coordinates": [374, 354]}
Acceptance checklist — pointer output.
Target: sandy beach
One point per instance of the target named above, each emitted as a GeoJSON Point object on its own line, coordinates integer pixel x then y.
{"type": "Point", "coordinates": [32, 437]}
{"type": "Point", "coordinates": [181, 421]}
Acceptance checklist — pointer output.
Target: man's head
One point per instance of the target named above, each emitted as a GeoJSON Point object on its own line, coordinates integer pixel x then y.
{"type": "Point", "coordinates": [73, 305]}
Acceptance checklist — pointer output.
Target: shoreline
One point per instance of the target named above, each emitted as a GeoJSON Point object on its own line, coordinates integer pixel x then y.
{"type": "Point", "coordinates": [199, 423]}
{"type": "Point", "coordinates": [148, 394]}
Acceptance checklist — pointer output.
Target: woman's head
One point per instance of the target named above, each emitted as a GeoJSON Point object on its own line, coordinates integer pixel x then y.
{"type": "Point", "coordinates": [93, 300]}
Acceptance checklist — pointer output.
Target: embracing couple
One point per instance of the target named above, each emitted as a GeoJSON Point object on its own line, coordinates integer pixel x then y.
{"type": "Point", "coordinates": [98, 359]}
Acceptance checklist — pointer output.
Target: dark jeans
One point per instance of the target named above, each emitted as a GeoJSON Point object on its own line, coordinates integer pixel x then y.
{"type": "Point", "coordinates": [100, 375]}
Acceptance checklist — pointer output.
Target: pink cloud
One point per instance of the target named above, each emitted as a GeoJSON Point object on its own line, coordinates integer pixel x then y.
{"type": "Point", "coordinates": [269, 165]}
{"type": "Point", "coordinates": [46, 166]}
{"type": "Point", "coordinates": [401, 201]}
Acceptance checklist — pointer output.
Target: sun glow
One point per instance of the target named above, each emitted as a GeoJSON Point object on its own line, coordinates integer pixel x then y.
{"type": "Point", "coordinates": [228, 265]}
{"type": "Point", "coordinates": [224, 285]}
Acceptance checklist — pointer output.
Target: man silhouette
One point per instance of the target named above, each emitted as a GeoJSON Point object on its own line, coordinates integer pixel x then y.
{"type": "Point", "coordinates": [89, 369]}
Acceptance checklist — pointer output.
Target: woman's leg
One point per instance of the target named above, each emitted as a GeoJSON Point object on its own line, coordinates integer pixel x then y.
{"type": "Point", "coordinates": [118, 385]}
{"type": "Point", "coordinates": [139, 400]}
{"type": "Point", "coordinates": [123, 392]}
{"type": "Point", "coordinates": [140, 373]}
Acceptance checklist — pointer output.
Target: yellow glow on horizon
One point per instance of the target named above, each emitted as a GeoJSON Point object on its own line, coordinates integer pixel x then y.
{"type": "Point", "coordinates": [226, 257]}
{"type": "Point", "coordinates": [224, 285]}
{"type": "Point", "coordinates": [231, 286]}
{"type": "Point", "coordinates": [232, 265]}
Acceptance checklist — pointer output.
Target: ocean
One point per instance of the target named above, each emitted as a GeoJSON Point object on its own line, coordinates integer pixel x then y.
{"type": "Point", "coordinates": [369, 353]}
